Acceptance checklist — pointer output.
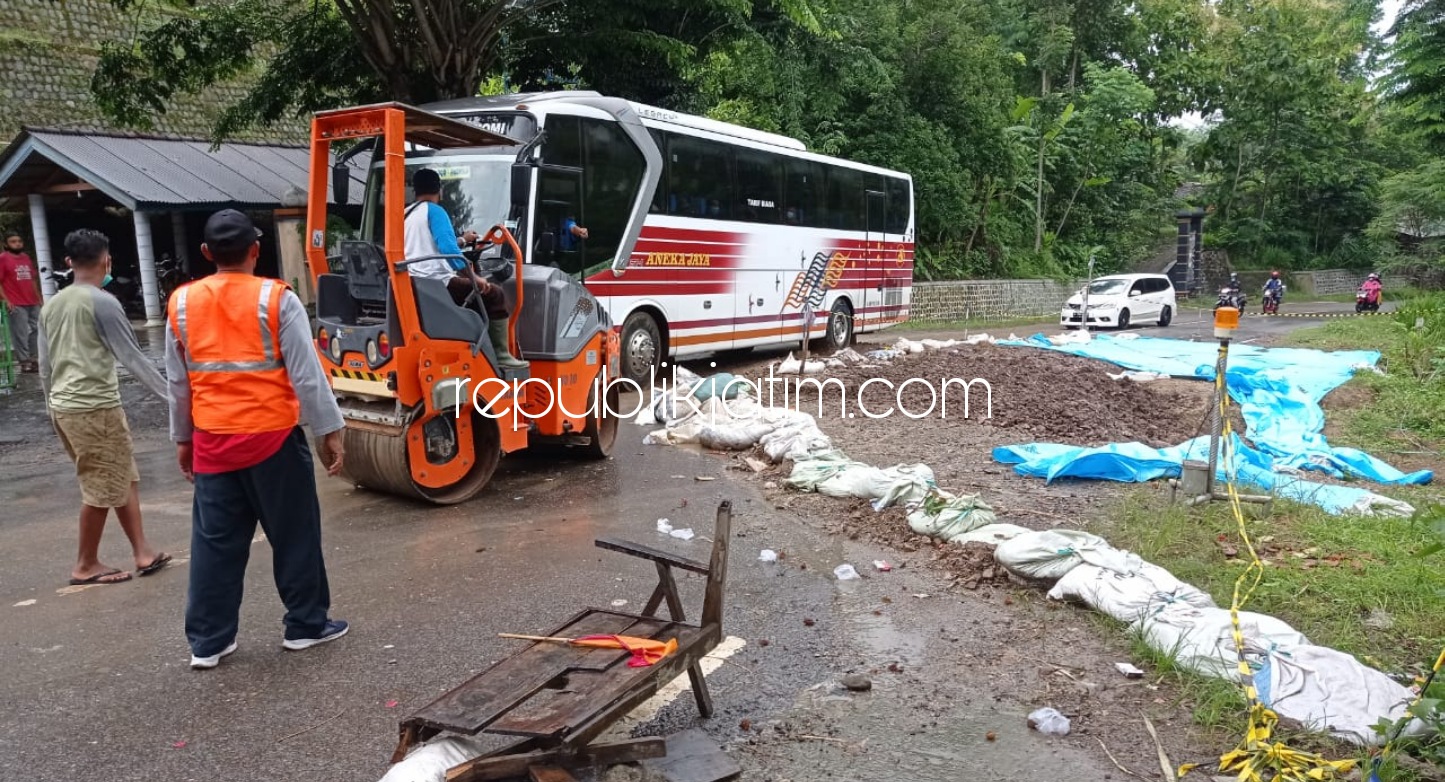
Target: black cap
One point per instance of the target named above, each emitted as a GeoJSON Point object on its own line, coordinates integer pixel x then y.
{"type": "Point", "coordinates": [229, 230]}
{"type": "Point", "coordinates": [426, 182]}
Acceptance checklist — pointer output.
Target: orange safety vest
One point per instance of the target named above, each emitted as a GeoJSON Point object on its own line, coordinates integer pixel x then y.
{"type": "Point", "coordinates": [230, 328]}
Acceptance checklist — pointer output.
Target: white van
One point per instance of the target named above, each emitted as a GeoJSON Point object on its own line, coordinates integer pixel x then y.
{"type": "Point", "coordinates": [1121, 299]}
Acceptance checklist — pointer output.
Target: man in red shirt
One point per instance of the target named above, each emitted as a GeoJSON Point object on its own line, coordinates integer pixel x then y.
{"type": "Point", "coordinates": [20, 288]}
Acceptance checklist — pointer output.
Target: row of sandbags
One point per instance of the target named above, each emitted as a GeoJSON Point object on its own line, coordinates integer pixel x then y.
{"type": "Point", "coordinates": [1321, 688]}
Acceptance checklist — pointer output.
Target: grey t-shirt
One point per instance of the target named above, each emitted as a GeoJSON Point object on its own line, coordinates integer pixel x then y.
{"type": "Point", "coordinates": [83, 333]}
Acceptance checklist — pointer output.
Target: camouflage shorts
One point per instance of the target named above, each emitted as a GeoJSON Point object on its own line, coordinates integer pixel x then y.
{"type": "Point", "coordinates": [98, 441]}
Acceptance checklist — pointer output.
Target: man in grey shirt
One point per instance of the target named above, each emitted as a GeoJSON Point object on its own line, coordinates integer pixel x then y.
{"type": "Point", "coordinates": [83, 333]}
{"type": "Point", "coordinates": [243, 376]}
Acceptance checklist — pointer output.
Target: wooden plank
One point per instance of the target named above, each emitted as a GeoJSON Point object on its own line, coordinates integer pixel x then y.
{"type": "Point", "coordinates": [491, 693]}
{"type": "Point", "coordinates": [594, 697]}
{"type": "Point", "coordinates": [712, 602]}
{"type": "Point", "coordinates": [693, 757]}
{"type": "Point", "coordinates": [549, 774]}
{"type": "Point", "coordinates": [495, 767]}
{"type": "Point", "coordinates": [695, 676]}
{"type": "Point", "coordinates": [648, 552]}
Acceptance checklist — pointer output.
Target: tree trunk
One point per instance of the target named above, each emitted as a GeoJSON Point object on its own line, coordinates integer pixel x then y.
{"type": "Point", "coordinates": [1039, 182]}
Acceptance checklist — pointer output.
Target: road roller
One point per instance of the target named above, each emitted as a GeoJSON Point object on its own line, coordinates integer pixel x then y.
{"type": "Point", "coordinates": [429, 410]}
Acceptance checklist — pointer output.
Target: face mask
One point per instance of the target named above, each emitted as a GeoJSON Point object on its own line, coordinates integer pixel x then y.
{"type": "Point", "coordinates": [107, 280]}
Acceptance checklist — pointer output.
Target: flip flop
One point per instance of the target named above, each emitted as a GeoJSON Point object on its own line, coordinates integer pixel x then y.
{"type": "Point", "coordinates": [162, 559]}
{"type": "Point", "coordinates": [100, 578]}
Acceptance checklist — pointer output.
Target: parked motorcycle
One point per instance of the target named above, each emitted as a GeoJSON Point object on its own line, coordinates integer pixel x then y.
{"type": "Point", "coordinates": [170, 276]}
{"type": "Point", "coordinates": [1367, 300]}
{"type": "Point", "coordinates": [62, 278]}
{"type": "Point", "coordinates": [127, 291]}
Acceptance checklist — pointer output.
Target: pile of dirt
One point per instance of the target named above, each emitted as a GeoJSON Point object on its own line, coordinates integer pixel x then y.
{"type": "Point", "coordinates": [1035, 394]}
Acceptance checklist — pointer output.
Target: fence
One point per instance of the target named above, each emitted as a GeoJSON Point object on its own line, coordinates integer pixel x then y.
{"type": "Point", "coordinates": [1004, 299]}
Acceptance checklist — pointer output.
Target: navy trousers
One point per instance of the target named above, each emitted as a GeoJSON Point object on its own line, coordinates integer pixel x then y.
{"type": "Point", "coordinates": [280, 493]}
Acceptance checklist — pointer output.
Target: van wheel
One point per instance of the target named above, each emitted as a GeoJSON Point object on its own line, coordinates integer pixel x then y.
{"type": "Point", "coordinates": [840, 329]}
{"type": "Point", "coordinates": [1166, 316]}
{"type": "Point", "coordinates": [642, 348]}
{"type": "Point", "coordinates": [1123, 320]}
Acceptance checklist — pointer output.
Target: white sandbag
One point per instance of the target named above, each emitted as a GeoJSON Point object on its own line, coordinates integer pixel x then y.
{"type": "Point", "coordinates": [950, 518]}
{"type": "Point", "coordinates": [907, 483]}
{"type": "Point", "coordinates": [645, 417]}
{"type": "Point", "coordinates": [430, 761]}
{"type": "Point", "coordinates": [1202, 639]}
{"type": "Point", "coordinates": [991, 534]}
{"type": "Point", "coordinates": [798, 440]}
{"type": "Point", "coordinates": [849, 356]}
{"type": "Point", "coordinates": [732, 438]}
{"type": "Point", "coordinates": [908, 346]}
{"type": "Point", "coordinates": [835, 363]}
{"type": "Point", "coordinates": [1050, 554]}
{"type": "Point", "coordinates": [1130, 597]}
{"type": "Point", "coordinates": [939, 344]}
{"type": "Point", "coordinates": [790, 366]}
{"type": "Point", "coordinates": [978, 339]}
{"type": "Point", "coordinates": [809, 474]}
{"type": "Point", "coordinates": [1328, 690]}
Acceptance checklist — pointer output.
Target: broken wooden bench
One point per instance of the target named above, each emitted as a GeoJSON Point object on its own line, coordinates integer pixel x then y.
{"type": "Point", "coordinates": [553, 699]}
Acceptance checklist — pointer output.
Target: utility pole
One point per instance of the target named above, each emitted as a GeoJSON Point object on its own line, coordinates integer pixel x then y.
{"type": "Point", "coordinates": [1088, 283]}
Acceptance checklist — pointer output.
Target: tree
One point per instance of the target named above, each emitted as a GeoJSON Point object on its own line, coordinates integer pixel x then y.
{"type": "Point", "coordinates": [304, 57]}
{"type": "Point", "coordinates": [1417, 78]}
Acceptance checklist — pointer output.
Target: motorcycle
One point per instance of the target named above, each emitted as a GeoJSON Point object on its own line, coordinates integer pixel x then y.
{"type": "Point", "coordinates": [128, 292]}
{"type": "Point", "coordinates": [1230, 296]}
{"type": "Point", "coordinates": [62, 278]}
{"type": "Point", "coordinates": [1272, 298]}
{"type": "Point", "coordinates": [1367, 300]}
{"type": "Point", "coordinates": [170, 276]}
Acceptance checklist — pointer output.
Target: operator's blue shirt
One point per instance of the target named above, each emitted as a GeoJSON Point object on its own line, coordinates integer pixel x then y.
{"type": "Point", "coordinates": [445, 235]}
{"type": "Point", "coordinates": [569, 241]}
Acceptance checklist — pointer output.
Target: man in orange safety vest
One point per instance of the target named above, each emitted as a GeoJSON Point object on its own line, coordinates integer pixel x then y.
{"type": "Point", "coordinates": [243, 374]}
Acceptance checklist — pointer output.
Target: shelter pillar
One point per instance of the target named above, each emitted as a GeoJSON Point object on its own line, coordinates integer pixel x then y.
{"type": "Point", "coordinates": [43, 259]}
{"type": "Point", "coordinates": [182, 243]}
{"type": "Point", "coordinates": [145, 256]}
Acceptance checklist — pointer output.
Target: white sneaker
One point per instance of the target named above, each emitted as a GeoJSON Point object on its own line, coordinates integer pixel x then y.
{"type": "Point", "coordinates": [335, 628]}
{"type": "Point", "coordinates": [201, 663]}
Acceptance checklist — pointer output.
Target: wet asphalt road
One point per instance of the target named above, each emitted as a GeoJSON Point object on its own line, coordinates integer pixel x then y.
{"type": "Point", "coordinates": [96, 683]}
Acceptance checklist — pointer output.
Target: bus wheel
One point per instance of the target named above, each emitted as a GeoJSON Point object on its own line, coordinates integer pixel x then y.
{"type": "Point", "coordinates": [840, 328]}
{"type": "Point", "coordinates": [642, 348]}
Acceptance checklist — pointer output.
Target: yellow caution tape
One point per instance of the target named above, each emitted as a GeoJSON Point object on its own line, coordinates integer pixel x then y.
{"type": "Point", "coordinates": [1258, 757]}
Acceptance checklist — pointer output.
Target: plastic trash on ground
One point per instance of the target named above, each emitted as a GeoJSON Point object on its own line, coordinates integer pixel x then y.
{"type": "Point", "coordinates": [768, 555]}
{"type": "Point", "coordinates": [682, 534]}
{"type": "Point", "coordinates": [845, 572]}
{"type": "Point", "coordinates": [1049, 722]}
{"type": "Point", "coordinates": [664, 526]}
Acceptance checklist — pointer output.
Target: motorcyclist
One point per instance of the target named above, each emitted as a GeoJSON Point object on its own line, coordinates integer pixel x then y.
{"type": "Point", "coordinates": [1274, 285]}
{"type": "Point", "coordinates": [1372, 288]}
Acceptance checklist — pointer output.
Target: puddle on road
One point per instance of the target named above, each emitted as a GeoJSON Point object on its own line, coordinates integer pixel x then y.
{"type": "Point", "coordinates": [882, 639]}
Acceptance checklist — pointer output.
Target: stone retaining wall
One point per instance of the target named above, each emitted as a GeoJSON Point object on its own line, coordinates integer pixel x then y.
{"type": "Point", "coordinates": [988, 299]}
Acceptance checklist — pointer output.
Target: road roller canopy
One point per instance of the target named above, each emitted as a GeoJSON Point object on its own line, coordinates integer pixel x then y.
{"type": "Point", "coordinates": [417, 126]}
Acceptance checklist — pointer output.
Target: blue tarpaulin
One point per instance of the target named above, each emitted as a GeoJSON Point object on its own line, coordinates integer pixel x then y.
{"type": "Point", "coordinates": [1278, 391]}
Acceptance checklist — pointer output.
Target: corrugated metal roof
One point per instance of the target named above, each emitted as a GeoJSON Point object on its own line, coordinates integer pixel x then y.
{"type": "Point", "coordinates": [147, 173]}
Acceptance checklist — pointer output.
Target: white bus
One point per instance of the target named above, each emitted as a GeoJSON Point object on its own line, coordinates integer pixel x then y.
{"type": "Point", "coordinates": [701, 236]}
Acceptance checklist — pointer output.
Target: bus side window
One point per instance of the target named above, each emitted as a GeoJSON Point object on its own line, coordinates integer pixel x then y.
{"type": "Point", "coordinates": [899, 206]}
{"type": "Point", "coordinates": [612, 177]}
{"type": "Point", "coordinates": [563, 146]}
{"type": "Point", "coordinates": [760, 186]}
{"type": "Point", "coordinates": [701, 177]}
{"type": "Point", "coordinates": [804, 195]}
{"type": "Point", "coordinates": [659, 196]}
{"type": "Point", "coordinates": [845, 199]}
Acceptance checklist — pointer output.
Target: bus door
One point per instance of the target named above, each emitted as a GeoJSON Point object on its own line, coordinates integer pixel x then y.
{"type": "Point", "coordinates": [874, 256]}
{"type": "Point", "coordinates": [559, 205]}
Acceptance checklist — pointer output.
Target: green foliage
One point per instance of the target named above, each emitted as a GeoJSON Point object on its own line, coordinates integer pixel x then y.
{"type": "Point", "coordinates": [1417, 79]}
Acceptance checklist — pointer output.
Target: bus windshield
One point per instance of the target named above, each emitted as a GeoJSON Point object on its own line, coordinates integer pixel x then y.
{"type": "Point", "coordinates": [476, 192]}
